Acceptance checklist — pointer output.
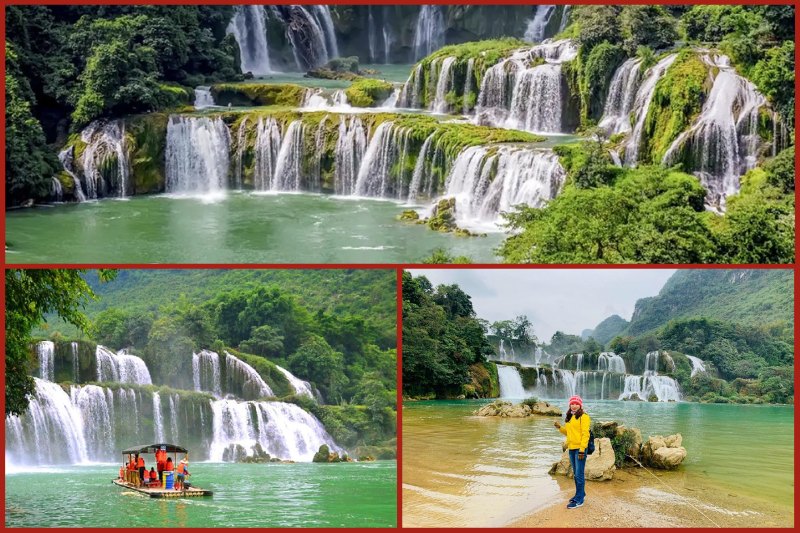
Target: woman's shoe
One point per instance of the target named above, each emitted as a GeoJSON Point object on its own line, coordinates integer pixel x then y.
{"type": "Point", "coordinates": [574, 505]}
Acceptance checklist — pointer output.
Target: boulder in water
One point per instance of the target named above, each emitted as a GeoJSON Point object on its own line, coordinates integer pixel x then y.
{"type": "Point", "coordinates": [664, 452]}
{"type": "Point", "coordinates": [599, 465]}
{"type": "Point", "coordinates": [508, 410]}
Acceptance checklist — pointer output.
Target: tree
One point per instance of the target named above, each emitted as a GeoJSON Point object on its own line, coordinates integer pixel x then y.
{"type": "Point", "coordinates": [30, 295]}
{"type": "Point", "coordinates": [647, 26]}
{"type": "Point", "coordinates": [317, 361]}
{"type": "Point", "coordinates": [523, 330]}
{"type": "Point", "coordinates": [265, 341]}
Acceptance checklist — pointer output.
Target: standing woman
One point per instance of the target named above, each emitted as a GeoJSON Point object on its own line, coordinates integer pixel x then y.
{"type": "Point", "coordinates": [576, 428]}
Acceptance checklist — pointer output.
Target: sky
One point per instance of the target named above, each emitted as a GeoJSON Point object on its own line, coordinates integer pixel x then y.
{"type": "Point", "coordinates": [567, 300]}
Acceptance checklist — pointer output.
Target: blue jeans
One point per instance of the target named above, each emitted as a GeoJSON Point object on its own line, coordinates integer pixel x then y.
{"type": "Point", "coordinates": [578, 467]}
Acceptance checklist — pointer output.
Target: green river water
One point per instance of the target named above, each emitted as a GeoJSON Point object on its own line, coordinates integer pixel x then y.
{"type": "Point", "coordinates": [461, 470]}
{"type": "Point", "coordinates": [259, 495]}
{"type": "Point", "coordinates": [240, 228]}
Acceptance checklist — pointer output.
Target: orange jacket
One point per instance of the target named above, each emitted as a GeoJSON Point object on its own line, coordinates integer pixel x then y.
{"type": "Point", "coordinates": [141, 462]}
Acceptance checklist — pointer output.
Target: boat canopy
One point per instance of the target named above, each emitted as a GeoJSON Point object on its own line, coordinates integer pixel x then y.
{"type": "Point", "coordinates": [152, 448]}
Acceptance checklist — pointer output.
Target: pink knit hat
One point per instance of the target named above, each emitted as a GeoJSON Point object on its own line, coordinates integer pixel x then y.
{"type": "Point", "coordinates": [576, 399]}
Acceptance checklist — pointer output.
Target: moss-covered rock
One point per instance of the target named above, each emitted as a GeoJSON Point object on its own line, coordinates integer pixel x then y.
{"type": "Point", "coordinates": [146, 139]}
{"type": "Point", "coordinates": [484, 382]}
{"type": "Point", "coordinates": [368, 92]}
{"type": "Point", "coordinates": [258, 94]}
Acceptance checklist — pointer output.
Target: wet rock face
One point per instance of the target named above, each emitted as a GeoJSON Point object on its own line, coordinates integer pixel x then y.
{"type": "Point", "coordinates": [522, 410]}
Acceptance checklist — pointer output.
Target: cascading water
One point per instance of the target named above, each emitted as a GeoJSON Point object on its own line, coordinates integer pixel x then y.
{"type": "Point", "coordinates": [266, 150]}
{"type": "Point", "coordinates": [105, 159]}
{"type": "Point", "coordinates": [45, 352]}
{"type": "Point", "coordinates": [410, 94]}
{"type": "Point", "coordinates": [372, 35]}
{"type": "Point", "coordinates": [650, 384]}
{"type": "Point", "coordinates": [723, 142]}
{"type": "Point", "coordinates": [242, 376]}
{"type": "Point", "coordinates": [534, 33]}
{"type": "Point", "coordinates": [120, 367]}
{"type": "Point", "coordinates": [50, 432]}
{"type": "Point", "coordinates": [350, 147]}
{"type": "Point", "coordinates": [203, 98]}
{"type": "Point", "coordinates": [301, 388]}
{"type": "Point", "coordinates": [564, 19]}
{"type": "Point", "coordinates": [468, 85]}
{"type": "Point", "coordinates": [486, 181]}
{"type": "Point", "coordinates": [289, 163]}
{"type": "Point", "coordinates": [238, 156]}
{"type": "Point", "coordinates": [206, 373]}
{"type": "Point", "coordinates": [534, 102]}
{"type": "Point", "coordinates": [430, 31]}
{"type": "Point", "coordinates": [66, 157]}
{"type": "Point", "coordinates": [387, 148]}
{"type": "Point", "coordinates": [197, 155]}
{"type": "Point", "coordinates": [611, 362]}
{"type": "Point", "coordinates": [56, 190]}
{"type": "Point", "coordinates": [621, 96]}
{"type": "Point", "coordinates": [96, 406]}
{"type": "Point", "coordinates": [510, 383]}
{"type": "Point", "coordinates": [248, 27]}
{"type": "Point", "coordinates": [76, 362]}
{"type": "Point", "coordinates": [158, 419]}
{"type": "Point", "coordinates": [419, 168]}
{"type": "Point", "coordinates": [281, 429]}
{"type": "Point", "coordinates": [641, 105]}
{"type": "Point", "coordinates": [697, 365]}
{"type": "Point", "coordinates": [443, 85]}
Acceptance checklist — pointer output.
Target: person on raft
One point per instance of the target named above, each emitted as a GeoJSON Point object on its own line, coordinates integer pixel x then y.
{"type": "Point", "coordinates": [183, 471]}
{"type": "Point", "coordinates": [576, 428]}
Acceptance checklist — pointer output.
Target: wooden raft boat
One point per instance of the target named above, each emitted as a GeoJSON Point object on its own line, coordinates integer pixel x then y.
{"type": "Point", "coordinates": [129, 479]}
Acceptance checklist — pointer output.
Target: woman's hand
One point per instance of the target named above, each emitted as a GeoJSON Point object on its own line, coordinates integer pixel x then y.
{"type": "Point", "coordinates": [557, 424]}
{"type": "Point", "coordinates": [581, 456]}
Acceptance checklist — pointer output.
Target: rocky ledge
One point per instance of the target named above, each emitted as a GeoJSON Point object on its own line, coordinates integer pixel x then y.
{"type": "Point", "coordinates": [522, 410]}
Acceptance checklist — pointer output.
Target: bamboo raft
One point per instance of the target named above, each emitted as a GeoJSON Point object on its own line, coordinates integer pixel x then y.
{"type": "Point", "coordinates": [159, 492]}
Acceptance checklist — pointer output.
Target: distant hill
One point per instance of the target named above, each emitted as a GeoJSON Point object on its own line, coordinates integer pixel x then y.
{"type": "Point", "coordinates": [752, 297]}
{"type": "Point", "coordinates": [609, 328]}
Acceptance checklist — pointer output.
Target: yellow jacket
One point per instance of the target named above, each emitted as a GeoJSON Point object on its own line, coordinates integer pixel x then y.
{"type": "Point", "coordinates": [577, 432]}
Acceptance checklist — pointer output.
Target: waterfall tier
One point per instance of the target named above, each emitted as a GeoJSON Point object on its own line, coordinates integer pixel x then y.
{"type": "Point", "coordinates": [227, 375]}
{"type": "Point", "coordinates": [197, 155]}
{"type": "Point", "coordinates": [121, 367]}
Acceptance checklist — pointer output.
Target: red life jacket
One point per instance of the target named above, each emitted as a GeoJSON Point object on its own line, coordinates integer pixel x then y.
{"type": "Point", "coordinates": [141, 462]}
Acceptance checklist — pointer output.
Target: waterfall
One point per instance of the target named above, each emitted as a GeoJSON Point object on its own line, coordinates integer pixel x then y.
{"type": "Point", "coordinates": [387, 148]}
{"type": "Point", "coordinates": [158, 419]}
{"type": "Point", "coordinates": [248, 27]}
{"type": "Point", "coordinates": [173, 417]}
{"type": "Point", "coordinates": [651, 363]}
{"type": "Point", "coordinates": [410, 94]}
{"type": "Point", "coordinates": [430, 31]}
{"type": "Point", "coordinates": [244, 376]}
{"type": "Point", "coordinates": [419, 168]}
{"type": "Point", "coordinates": [697, 365]}
{"type": "Point", "coordinates": [350, 147]}
{"type": "Point", "coordinates": [266, 150]}
{"type": "Point", "coordinates": [522, 93]}
{"type": "Point", "coordinates": [45, 352]}
{"type": "Point", "coordinates": [723, 142]}
{"type": "Point", "coordinates": [444, 84]}
{"type": "Point", "coordinates": [76, 362]}
{"type": "Point", "coordinates": [468, 85]}
{"type": "Point", "coordinates": [387, 44]}
{"type": "Point", "coordinates": [206, 375]}
{"type": "Point", "coordinates": [664, 388]}
{"type": "Point", "coordinates": [319, 100]}
{"type": "Point", "coordinates": [564, 19]}
{"type": "Point", "coordinates": [489, 180]}
{"type": "Point", "coordinates": [611, 362]}
{"type": "Point", "coordinates": [510, 383]}
{"type": "Point", "coordinates": [289, 163]}
{"type": "Point", "coordinates": [621, 95]}
{"type": "Point", "coordinates": [120, 367]}
{"type": "Point", "coordinates": [50, 431]}
{"type": "Point", "coordinates": [56, 190]}
{"type": "Point", "coordinates": [105, 157]}
{"type": "Point", "coordinates": [301, 388]}
{"type": "Point", "coordinates": [197, 155]}
{"type": "Point", "coordinates": [536, 26]}
{"type": "Point", "coordinates": [323, 17]}
{"type": "Point", "coordinates": [372, 36]}
{"type": "Point", "coordinates": [96, 406]}
{"type": "Point", "coordinates": [66, 156]}
{"type": "Point", "coordinates": [203, 98]}
{"type": "Point", "coordinates": [641, 105]}
{"type": "Point", "coordinates": [281, 429]}
{"type": "Point", "coordinates": [310, 34]}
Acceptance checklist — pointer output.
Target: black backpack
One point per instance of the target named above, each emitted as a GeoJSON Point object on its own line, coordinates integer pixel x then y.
{"type": "Point", "coordinates": [590, 446]}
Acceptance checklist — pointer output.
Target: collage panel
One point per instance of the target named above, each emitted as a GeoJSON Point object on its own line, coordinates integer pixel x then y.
{"type": "Point", "coordinates": [400, 134]}
{"type": "Point", "coordinates": [201, 398]}
{"type": "Point", "coordinates": [598, 398]}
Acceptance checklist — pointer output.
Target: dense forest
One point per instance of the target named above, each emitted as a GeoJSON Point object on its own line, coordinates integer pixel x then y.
{"type": "Point", "coordinates": [334, 329]}
{"type": "Point", "coordinates": [70, 65]}
{"type": "Point", "coordinates": [739, 323]}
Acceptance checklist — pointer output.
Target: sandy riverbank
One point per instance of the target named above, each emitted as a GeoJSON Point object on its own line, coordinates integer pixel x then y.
{"type": "Point", "coordinates": [634, 498]}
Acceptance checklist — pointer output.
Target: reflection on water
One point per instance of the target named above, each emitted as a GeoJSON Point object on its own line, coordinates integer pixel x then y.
{"type": "Point", "coordinates": [461, 470]}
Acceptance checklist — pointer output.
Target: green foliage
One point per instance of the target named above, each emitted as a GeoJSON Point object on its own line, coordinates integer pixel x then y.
{"type": "Point", "coordinates": [677, 100]}
{"type": "Point", "coordinates": [780, 170]}
{"type": "Point", "coordinates": [649, 215]}
{"type": "Point", "coordinates": [609, 329]}
{"type": "Point", "coordinates": [621, 442]}
{"type": "Point", "coordinates": [598, 69]}
{"type": "Point", "coordinates": [29, 163]}
{"type": "Point", "coordinates": [441, 338]}
{"type": "Point", "coordinates": [588, 164]}
{"type": "Point", "coordinates": [441, 256]}
{"type": "Point", "coordinates": [774, 77]}
{"type": "Point", "coordinates": [29, 296]}
{"type": "Point", "coordinates": [368, 92]}
{"type": "Point", "coordinates": [649, 26]}
{"type": "Point", "coordinates": [597, 24]}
